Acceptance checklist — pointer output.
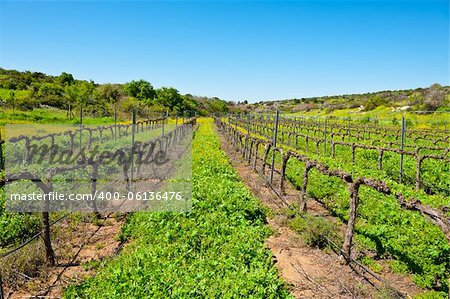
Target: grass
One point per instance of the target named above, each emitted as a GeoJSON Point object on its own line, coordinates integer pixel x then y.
{"type": "Point", "coordinates": [385, 116]}
{"type": "Point", "coordinates": [382, 226]}
{"type": "Point", "coordinates": [46, 116]}
{"type": "Point", "coordinates": [215, 251]}
{"type": "Point", "coordinates": [19, 94]}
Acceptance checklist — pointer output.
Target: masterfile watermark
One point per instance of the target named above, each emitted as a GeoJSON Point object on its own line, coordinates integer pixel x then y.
{"type": "Point", "coordinates": [48, 169]}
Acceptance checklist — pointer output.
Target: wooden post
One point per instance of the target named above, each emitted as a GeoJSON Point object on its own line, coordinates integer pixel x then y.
{"type": "Point", "coordinates": [303, 205]}
{"type": "Point", "coordinates": [81, 125]}
{"type": "Point", "coordinates": [2, 164]}
{"type": "Point", "coordinates": [248, 124]}
{"type": "Point", "coordinates": [402, 146]}
{"type": "Point", "coordinates": [354, 201]}
{"type": "Point", "coordinates": [49, 253]}
{"type": "Point", "coordinates": [132, 145]}
{"type": "Point", "coordinates": [284, 159]}
{"type": "Point", "coordinates": [348, 129]}
{"type": "Point", "coordinates": [163, 122]}
{"type": "Point", "coordinates": [275, 136]}
{"type": "Point", "coordinates": [247, 139]}
{"type": "Point", "coordinates": [115, 122]}
{"type": "Point", "coordinates": [419, 161]}
{"type": "Point", "coordinates": [94, 187]}
{"type": "Point", "coordinates": [325, 137]}
{"type": "Point", "coordinates": [380, 159]}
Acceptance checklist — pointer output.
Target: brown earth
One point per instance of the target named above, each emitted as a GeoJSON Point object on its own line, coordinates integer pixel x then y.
{"type": "Point", "coordinates": [78, 247]}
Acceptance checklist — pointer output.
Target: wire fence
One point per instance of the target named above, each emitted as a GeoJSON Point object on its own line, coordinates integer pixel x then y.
{"type": "Point", "coordinates": [423, 146]}
{"type": "Point", "coordinates": [165, 139]}
{"type": "Point", "coordinates": [237, 129]}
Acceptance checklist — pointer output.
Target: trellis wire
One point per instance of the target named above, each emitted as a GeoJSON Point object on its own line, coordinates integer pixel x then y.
{"type": "Point", "coordinates": [263, 128]}
{"type": "Point", "coordinates": [332, 244]}
{"type": "Point", "coordinates": [47, 225]}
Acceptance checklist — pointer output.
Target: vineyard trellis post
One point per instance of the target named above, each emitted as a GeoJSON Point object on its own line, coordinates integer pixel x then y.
{"type": "Point", "coordinates": [402, 146]}
{"type": "Point", "coordinates": [115, 122]}
{"type": "Point", "coordinates": [348, 129]}
{"type": "Point", "coordinates": [248, 124]}
{"type": "Point", "coordinates": [81, 124]}
{"type": "Point", "coordinates": [163, 121]}
{"type": "Point", "coordinates": [94, 178]}
{"type": "Point", "coordinates": [2, 164]}
{"type": "Point", "coordinates": [354, 202]}
{"type": "Point", "coordinates": [275, 135]}
{"type": "Point", "coordinates": [247, 139]}
{"type": "Point", "coordinates": [325, 137]}
{"type": "Point", "coordinates": [50, 255]}
{"type": "Point", "coordinates": [132, 144]}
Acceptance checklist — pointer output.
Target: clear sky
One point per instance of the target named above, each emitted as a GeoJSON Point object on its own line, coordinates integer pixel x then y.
{"type": "Point", "coordinates": [234, 50]}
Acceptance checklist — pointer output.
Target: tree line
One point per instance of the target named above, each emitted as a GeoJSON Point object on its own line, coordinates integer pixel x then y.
{"type": "Point", "coordinates": [28, 90]}
{"type": "Point", "coordinates": [432, 98]}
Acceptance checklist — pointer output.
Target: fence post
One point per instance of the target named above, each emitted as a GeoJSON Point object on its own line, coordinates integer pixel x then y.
{"type": "Point", "coordinates": [2, 164]}
{"type": "Point", "coordinates": [325, 137]}
{"type": "Point", "coordinates": [132, 145]}
{"type": "Point", "coordinates": [248, 124]}
{"type": "Point", "coordinates": [50, 255]}
{"type": "Point", "coordinates": [354, 201]}
{"type": "Point", "coordinates": [402, 146]}
{"type": "Point", "coordinates": [247, 139]}
{"type": "Point", "coordinates": [275, 135]}
{"type": "Point", "coordinates": [81, 125]}
{"type": "Point", "coordinates": [348, 129]}
{"type": "Point", "coordinates": [115, 122]}
{"type": "Point", "coordinates": [163, 122]}
{"type": "Point", "coordinates": [94, 178]}
{"type": "Point", "coordinates": [303, 204]}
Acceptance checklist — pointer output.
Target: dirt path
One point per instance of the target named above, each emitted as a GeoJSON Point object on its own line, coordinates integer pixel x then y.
{"type": "Point", "coordinates": [312, 273]}
{"type": "Point", "coordinates": [78, 248]}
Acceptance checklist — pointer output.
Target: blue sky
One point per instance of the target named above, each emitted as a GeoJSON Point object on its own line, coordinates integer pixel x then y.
{"type": "Point", "coordinates": [234, 50]}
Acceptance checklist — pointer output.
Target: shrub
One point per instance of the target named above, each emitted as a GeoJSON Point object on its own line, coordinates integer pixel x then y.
{"type": "Point", "coordinates": [315, 230]}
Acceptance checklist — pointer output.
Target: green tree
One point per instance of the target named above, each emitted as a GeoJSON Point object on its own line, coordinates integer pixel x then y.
{"type": "Point", "coordinates": [72, 95]}
{"type": "Point", "coordinates": [169, 97]}
{"type": "Point", "coordinates": [86, 93]}
{"type": "Point", "coordinates": [111, 94]}
{"type": "Point", "coordinates": [218, 105]}
{"type": "Point", "coordinates": [51, 94]}
{"type": "Point", "coordinates": [90, 99]}
{"type": "Point", "coordinates": [141, 90]}
{"type": "Point", "coordinates": [131, 103]}
{"type": "Point", "coordinates": [65, 79]}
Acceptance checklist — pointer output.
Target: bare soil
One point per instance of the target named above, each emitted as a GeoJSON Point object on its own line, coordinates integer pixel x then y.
{"type": "Point", "coordinates": [78, 247]}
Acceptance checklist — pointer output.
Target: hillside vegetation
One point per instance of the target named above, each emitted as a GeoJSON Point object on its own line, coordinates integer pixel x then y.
{"type": "Point", "coordinates": [423, 107]}
{"type": "Point", "coordinates": [26, 91]}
